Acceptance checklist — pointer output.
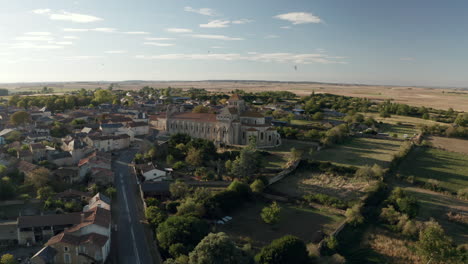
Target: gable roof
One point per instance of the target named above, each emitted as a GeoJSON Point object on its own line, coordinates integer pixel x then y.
{"type": "Point", "coordinates": [196, 117]}
{"type": "Point", "coordinates": [26, 167]}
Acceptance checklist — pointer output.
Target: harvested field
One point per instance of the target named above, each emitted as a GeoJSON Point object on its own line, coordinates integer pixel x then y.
{"type": "Point", "coordinates": [417, 96]}
{"type": "Point", "coordinates": [305, 223]}
{"type": "Point", "coordinates": [450, 144]}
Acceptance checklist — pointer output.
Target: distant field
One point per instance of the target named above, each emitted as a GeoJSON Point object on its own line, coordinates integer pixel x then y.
{"type": "Point", "coordinates": [247, 224]}
{"type": "Point", "coordinates": [436, 205]}
{"type": "Point", "coordinates": [450, 168]}
{"type": "Point", "coordinates": [360, 151]}
{"type": "Point", "coordinates": [450, 144]}
{"type": "Point", "coordinates": [417, 96]}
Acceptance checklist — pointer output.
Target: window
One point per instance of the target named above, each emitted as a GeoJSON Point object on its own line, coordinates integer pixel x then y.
{"type": "Point", "coordinates": [269, 138]}
{"type": "Point", "coordinates": [243, 135]}
{"type": "Point", "coordinates": [65, 249]}
{"type": "Point", "coordinates": [66, 258]}
{"type": "Point", "coordinates": [261, 136]}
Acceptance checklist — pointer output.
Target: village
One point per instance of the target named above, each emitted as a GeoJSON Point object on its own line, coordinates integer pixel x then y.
{"type": "Point", "coordinates": [87, 173]}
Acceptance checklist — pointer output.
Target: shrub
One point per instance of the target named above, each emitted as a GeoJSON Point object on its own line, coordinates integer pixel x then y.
{"type": "Point", "coordinates": [271, 214]}
{"type": "Point", "coordinates": [354, 216]}
{"type": "Point", "coordinates": [179, 165]}
{"type": "Point", "coordinates": [288, 249]}
{"type": "Point", "coordinates": [257, 186]}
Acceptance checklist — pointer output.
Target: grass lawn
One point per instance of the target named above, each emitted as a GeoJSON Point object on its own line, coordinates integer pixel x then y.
{"type": "Point", "coordinates": [437, 205]}
{"type": "Point", "coordinates": [408, 120]}
{"type": "Point", "coordinates": [281, 154]}
{"type": "Point", "coordinates": [247, 225]}
{"type": "Point", "coordinates": [360, 151]}
{"type": "Point", "coordinates": [450, 168]}
{"type": "Point", "coordinates": [303, 122]}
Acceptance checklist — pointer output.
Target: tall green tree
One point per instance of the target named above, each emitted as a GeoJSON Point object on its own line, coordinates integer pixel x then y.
{"type": "Point", "coordinates": [218, 248]}
{"type": "Point", "coordinates": [288, 249]}
{"type": "Point", "coordinates": [20, 118]}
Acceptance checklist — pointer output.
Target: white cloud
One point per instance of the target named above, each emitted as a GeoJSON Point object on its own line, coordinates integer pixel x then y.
{"type": "Point", "coordinates": [219, 37]}
{"type": "Point", "coordinates": [201, 11]}
{"type": "Point", "coordinates": [159, 39]}
{"type": "Point", "coordinates": [34, 38]}
{"type": "Point", "coordinates": [74, 17]}
{"type": "Point", "coordinates": [271, 36]}
{"type": "Point", "coordinates": [407, 59]}
{"type": "Point", "coordinates": [62, 42]}
{"type": "Point", "coordinates": [136, 33]}
{"type": "Point", "coordinates": [179, 30]}
{"type": "Point", "coordinates": [217, 47]}
{"type": "Point", "coordinates": [107, 30]}
{"type": "Point", "coordinates": [159, 44]}
{"type": "Point", "coordinates": [299, 18]}
{"type": "Point", "coordinates": [33, 46]}
{"type": "Point", "coordinates": [286, 27]}
{"type": "Point", "coordinates": [38, 33]}
{"type": "Point", "coordinates": [298, 58]}
{"type": "Point", "coordinates": [242, 21]}
{"type": "Point", "coordinates": [115, 51]}
{"type": "Point", "coordinates": [82, 57]}
{"type": "Point", "coordinates": [41, 11]}
{"type": "Point", "coordinates": [216, 24]}
{"type": "Point", "coordinates": [71, 37]}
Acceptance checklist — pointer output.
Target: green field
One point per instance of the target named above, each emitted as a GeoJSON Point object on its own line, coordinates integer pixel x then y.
{"type": "Point", "coordinates": [450, 168]}
{"type": "Point", "coordinates": [436, 205]}
{"type": "Point", "coordinates": [304, 122]}
{"type": "Point", "coordinates": [247, 225]}
{"type": "Point", "coordinates": [360, 151]}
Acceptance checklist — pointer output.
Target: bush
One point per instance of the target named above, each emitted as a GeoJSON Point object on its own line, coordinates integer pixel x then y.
{"type": "Point", "coordinates": [271, 214]}
{"type": "Point", "coordinates": [187, 230]}
{"type": "Point", "coordinates": [288, 249]}
{"type": "Point", "coordinates": [354, 216]}
{"type": "Point", "coordinates": [171, 207]}
{"type": "Point", "coordinates": [326, 200]}
{"type": "Point", "coordinates": [155, 216]}
{"type": "Point", "coordinates": [463, 193]}
{"type": "Point", "coordinates": [179, 165]}
{"type": "Point", "coordinates": [257, 186]}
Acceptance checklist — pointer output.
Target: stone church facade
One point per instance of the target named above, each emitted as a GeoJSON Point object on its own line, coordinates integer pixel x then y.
{"type": "Point", "coordinates": [233, 125]}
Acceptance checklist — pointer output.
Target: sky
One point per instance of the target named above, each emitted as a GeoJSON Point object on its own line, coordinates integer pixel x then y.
{"type": "Point", "coordinates": [397, 42]}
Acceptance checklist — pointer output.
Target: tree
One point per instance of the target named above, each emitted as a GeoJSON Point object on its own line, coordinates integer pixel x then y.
{"type": "Point", "coordinates": [8, 259]}
{"type": "Point", "coordinates": [354, 216]}
{"type": "Point", "coordinates": [257, 186]}
{"type": "Point", "coordinates": [13, 136]}
{"type": "Point", "coordinates": [179, 189]}
{"type": "Point", "coordinates": [103, 96]}
{"type": "Point", "coordinates": [462, 119]}
{"type": "Point", "coordinates": [191, 207]}
{"type": "Point", "coordinates": [201, 109]}
{"type": "Point", "coordinates": [45, 193]}
{"type": "Point", "coordinates": [155, 216]}
{"type": "Point", "coordinates": [39, 177]}
{"type": "Point", "coordinates": [241, 188]}
{"type": "Point", "coordinates": [288, 249]}
{"type": "Point", "coordinates": [218, 248]}
{"type": "Point", "coordinates": [187, 230]}
{"type": "Point", "coordinates": [194, 157]}
{"type": "Point", "coordinates": [20, 118]}
{"type": "Point", "coordinates": [7, 189]}
{"type": "Point", "coordinates": [246, 164]}
{"type": "Point", "coordinates": [110, 192]}
{"type": "Point", "coordinates": [271, 214]}
{"type": "Point", "coordinates": [434, 245]}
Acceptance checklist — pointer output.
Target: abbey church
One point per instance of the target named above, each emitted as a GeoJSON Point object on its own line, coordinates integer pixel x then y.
{"type": "Point", "coordinates": [233, 125]}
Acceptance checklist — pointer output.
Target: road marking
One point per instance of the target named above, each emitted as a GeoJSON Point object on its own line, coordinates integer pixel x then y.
{"type": "Point", "coordinates": [122, 163]}
{"type": "Point", "coordinates": [130, 220]}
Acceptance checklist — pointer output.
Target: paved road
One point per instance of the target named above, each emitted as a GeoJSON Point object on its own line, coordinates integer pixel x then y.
{"type": "Point", "coordinates": [130, 241]}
